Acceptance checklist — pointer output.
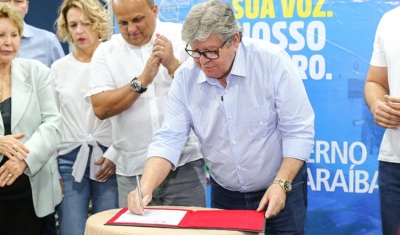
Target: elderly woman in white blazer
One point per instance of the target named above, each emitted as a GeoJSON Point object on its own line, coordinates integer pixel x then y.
{"type": "Point", "coordinates": [29, 135]}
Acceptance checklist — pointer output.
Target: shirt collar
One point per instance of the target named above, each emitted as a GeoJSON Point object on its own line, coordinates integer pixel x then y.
{"type": "Point", "coordinates": [156, 30]}
{"type": "Point", "coordinates": [239, 65]}
{"type": "Point", "coordinates": [27, 33]}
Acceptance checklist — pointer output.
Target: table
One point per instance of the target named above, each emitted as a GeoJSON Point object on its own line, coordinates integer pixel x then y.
{"type": "Point", "coordinates": [95, 226]}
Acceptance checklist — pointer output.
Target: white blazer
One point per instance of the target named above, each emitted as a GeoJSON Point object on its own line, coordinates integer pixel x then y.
{"type": "Point", "coordinates": [34, 112]}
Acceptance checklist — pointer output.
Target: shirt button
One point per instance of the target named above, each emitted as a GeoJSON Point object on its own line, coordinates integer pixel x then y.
{"type": "Point", "coordinates": [261, 123]}
{"type": "Point", "coordinates": [244, 187]}
{"type": "Point", "coordinates": [234, 142]}
{"type": "Point", "coordinates": [230, 117]}
{"type": "Point", "coordinates": [239, 167]}
{"type": "Point", "coordinates": [226, 91]}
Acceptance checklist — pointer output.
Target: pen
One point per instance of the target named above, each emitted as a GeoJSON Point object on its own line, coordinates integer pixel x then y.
{"type": "Point", "coordinates": [139, 188]}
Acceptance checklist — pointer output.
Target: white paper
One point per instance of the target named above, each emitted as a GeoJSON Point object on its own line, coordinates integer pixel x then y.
{"type": "Point", "coordinates": [153, 216]}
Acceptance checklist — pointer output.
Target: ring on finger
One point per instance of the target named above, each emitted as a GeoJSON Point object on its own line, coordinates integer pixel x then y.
{"type": "Point", "coordinates": [10, 175]}
{"type": "Point", "coordinates": [14, 146]}
{"type": "Point", "coordinates": [110, 172]}
{"type": "Point", "coordinates": [162, 48]}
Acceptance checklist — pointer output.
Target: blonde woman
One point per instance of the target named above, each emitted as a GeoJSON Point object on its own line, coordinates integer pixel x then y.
{"type": "Point", "coordinates": [85, 162]}
{"type": "Point", "coordinates": [29, 134]}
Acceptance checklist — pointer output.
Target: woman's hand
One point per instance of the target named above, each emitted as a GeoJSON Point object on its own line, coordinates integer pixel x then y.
{"type": "Point", "coordinates": [107, 169]}
{"type": "Point", "coordinates": [11, 147]}
{"type": "Point", "coordinates": [10, 171]}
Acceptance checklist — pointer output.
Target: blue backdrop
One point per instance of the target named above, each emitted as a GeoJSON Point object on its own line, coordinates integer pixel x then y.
{"type": "Point", "coordinates": [331, 43]}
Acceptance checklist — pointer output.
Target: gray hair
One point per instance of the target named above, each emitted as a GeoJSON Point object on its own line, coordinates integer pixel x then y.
{"type": "Point", "coordinates": [210, 18]}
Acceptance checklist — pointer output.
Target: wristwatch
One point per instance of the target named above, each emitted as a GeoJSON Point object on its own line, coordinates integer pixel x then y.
{"type": "Point", "coordinates": [286, 185]}
{"type": "Point", "coordinates": [136, 86]}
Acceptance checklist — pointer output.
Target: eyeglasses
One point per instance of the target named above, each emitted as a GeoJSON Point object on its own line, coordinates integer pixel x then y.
{"type": "Point", "coordinates": [211, 55]}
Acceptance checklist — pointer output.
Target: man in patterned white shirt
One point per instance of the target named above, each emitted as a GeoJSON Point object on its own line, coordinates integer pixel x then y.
{"type": "Point", "coordinates": [130, 77]}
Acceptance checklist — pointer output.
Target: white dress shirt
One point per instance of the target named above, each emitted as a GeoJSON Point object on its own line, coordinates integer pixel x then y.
{"type": "Point", "coordinates": [247, 128]}
{"type": "Point", "coordinates": [114, 64]}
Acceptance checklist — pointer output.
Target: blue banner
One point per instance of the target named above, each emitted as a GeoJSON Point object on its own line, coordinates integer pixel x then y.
{"type": "Point", "coordinates": [331, 42]}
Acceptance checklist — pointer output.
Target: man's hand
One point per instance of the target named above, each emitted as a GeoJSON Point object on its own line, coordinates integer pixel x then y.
{"type": "Point", "coordinates": [107, 169]}
{"type": "Point", "coordinates": [387, 114]}
{"type": "Point", "coordinates": [274, 198]}
{"type": "Point", "coordinates": [162, 48]}
{"type": "Point", "coordinates": [134, 201]}
{"type": "Point", "coordinates": [150, 70]}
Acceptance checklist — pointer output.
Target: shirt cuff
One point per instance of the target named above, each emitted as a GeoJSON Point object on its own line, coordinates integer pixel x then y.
{"type": "Point", "coordinates": [111, 154]}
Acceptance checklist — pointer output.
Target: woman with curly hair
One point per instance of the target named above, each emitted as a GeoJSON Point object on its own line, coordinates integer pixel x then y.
{"type": "Point", "coordinates": [86, 161]}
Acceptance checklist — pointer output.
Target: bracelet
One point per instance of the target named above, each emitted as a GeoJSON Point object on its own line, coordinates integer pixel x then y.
{"type": "Point", "coordinates": [178, 64]}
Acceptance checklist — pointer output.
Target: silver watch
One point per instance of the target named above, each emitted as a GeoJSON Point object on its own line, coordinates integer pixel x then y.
{"type": "Point", "coordinates": [136, 86]}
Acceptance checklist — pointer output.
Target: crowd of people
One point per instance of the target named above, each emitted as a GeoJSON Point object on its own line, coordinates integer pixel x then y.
{"type": "Point", "coordinates": [161, 101]}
